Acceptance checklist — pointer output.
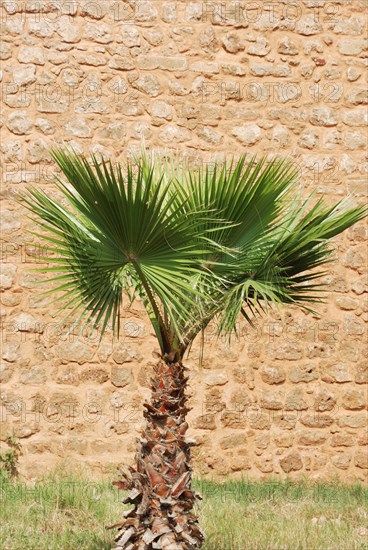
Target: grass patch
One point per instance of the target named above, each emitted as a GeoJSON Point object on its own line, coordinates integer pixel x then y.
{"type": "Point", "coordinates": [69, 513]}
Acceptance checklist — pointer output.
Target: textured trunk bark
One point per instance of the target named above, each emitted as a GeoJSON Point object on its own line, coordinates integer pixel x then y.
{"type": "Point", "coordinates": [160, 484]}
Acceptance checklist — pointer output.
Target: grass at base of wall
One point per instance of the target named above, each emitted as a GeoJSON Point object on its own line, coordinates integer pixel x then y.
{"type": "Point", "coordinates": [66, 512]}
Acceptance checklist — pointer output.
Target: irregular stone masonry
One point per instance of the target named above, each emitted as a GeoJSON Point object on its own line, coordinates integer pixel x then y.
{"type": "Point", "coordinates": [205, 79]}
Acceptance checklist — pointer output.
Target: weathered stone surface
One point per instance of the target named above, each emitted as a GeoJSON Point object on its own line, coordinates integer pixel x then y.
{"type": "Point", "coordinates": [174, 134]}
{"type": "Point", "coordinates": [79, 128]}
{"type": "Point", "coordinates": [342, 440]}
{"type": "Point", "coordinates": [19, 123]}
{"type": "Point", "coordinates": [361, 374]}
{"type": "Point", "coordinates": [287, 46]}
{"type": "Point", "coordinates": [129, 36]}
{"type": "Point", "coordinates": [121, 376]}
{"type": "Point", "coordinates": [361, 459]}
{"type": "Point", "coordinates": [351, 46]}
{"type": "Point", "coordinates": [123, 354]}
{"type": "Point", "coordinates": [10, 351]}
{"type": "Point", "coordinates": [69, 375]}
{"type": "Point", "coordinates": [94, 374]}
{"type": "Point", "coordinates": [357, 420]}
{"type": "Point", "coordinates": [312, 438]}
{"type": "Point", "coordinates": [210, 136]}
{"type": "Point", "coordinates": [273, 374]}
{"type": "Point", "coordinates": [205, 67]}
{"type": "Point", "coordinates": [7, 275]}
{"type": "Point", "coordinates": [289, 351]}
{"type": "Point", "coordinates": [33, 375]}
{"type": "Point", "coordinates": [323, 116]}
{"type": "Point", "coordinates": [28, 54]}
{"type": "Point", "coordinates": [338, 373]}
{"type": "Point", "coordinates": [115, 131]}
{"type": "Point", "coordinates": [205, 422]}
{"type": "Point", "coordinates": [248, 134]}
{"type": "Point", "coordinates": [161, 109]}
{"type": "Point", "coordinates": [308, 25]}
{"type": "Point", "coordinates": [317, 420]}
{"type": "Point", "coordinates": [260, 47]}
{"type": "Point", "coordinates": [214, 378]}
{"type": "Point", "coordinates": [76, 351]}
{"type": "Point", "coordinates": [296, 400]}
{"type": "Point", "coordinates": [232, 440]}
{"type": "Point", "coordinates": [341, 461]}
{"type": "Point", "coordinates": [291, 462]}
{"type": "Point", "coordinates": [232, 42]}
{"type": "Point", "coordinates": [354, 400]}
{"type": "Point", "coordinates": [302, 373]}
{"type": "Point", "coordinates": [324, 400]}
{"type": "Point", "coordinates": [96, 32]}
{"type": "Point", "coordinates": [24, 322]}
{"type": "Point", "coordinates": [149, 84]}
{"type": "Point", "coordinates": [67, 30]}
{"type": "Point", "coordinates": [6, 372]}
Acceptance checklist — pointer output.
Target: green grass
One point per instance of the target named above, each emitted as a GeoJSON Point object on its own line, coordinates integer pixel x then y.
{"type": "Point", "coordinates": [70, 513]}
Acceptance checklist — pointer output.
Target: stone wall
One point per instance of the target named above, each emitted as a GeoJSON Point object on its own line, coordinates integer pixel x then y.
{"type": "Point", "coordinates": [288, 397]}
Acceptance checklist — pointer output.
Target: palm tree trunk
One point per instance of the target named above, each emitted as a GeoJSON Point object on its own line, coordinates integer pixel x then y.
{"type": "Point", "coordinates": [160, 484]}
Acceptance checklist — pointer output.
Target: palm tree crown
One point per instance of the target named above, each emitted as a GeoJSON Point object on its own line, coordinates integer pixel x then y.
{"type": "Point", "coordinates": [191, 245]}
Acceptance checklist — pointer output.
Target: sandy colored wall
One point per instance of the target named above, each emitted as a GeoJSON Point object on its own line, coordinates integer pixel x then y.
{"type": "Point", "coordinates": [207, 79]}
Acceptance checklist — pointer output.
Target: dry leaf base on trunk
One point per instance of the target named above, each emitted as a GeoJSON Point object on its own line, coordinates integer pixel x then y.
{"type": "Point", "coordinates": [160, 485]}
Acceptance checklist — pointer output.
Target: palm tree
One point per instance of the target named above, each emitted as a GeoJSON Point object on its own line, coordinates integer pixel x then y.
{"type": "Point", "coordinates": [194, 246]}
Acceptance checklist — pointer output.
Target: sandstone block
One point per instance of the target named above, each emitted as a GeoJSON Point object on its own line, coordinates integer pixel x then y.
{"type": "Point", "coordinates": [78, 128]}
{"type": "Point", "coordinates": [214, 378]}
{"type": "Point", "coordinates": [356, 117]}
{"type": "Point", "coordinates": [96, 32]}
{"type": "Point", "coordinates": [210, 136]}
{"type": "Point", "coordinates": [169, 12]}
{"type": "Point", "coordinates": [205, 422]}
{"type": "Point", "coordinates": [316, 420]}
{"type": "Point", "coordinates": [75, 352]}
{"type": "Point", "coordinates": [354, 400]}
{"type": "Point", "coordinates": [287, 46]}
{"type": "Point", "coordinates": [69, 376]}
{"type": "Point", "coordinates": [121, 376]}
{"type": "Point", "coordinates": [31, 54]}
{"type": "Point", "coordinates": [174, 134]}
{"type": "Point", "coordinates": [324, 400]}
{"type": "Point", "coordinates": [357, 420]}
{"type": "Point", "coordinates": [148, 84]}
{"type": "Point", "coordinates": [323, 116]}
{"type": "Point", "coordinates": [261, 47]}
{"type": "Point", "coordinates": [273, 374]}
{"type": "Point", "coordinates": [342, 440]}
{"type": "Point", "coordinates": [291, 462]}
{"type": "Point", "coordinates": [351, 46]}
{"type": "Point", "coordinates": [338, 373]}
{"type": "Point", "coordinates": [361, 373]}
{"type": "Point", "coordinates": [302, 373]}
{"type": "Point", "coordinates": [7, 276]}
{"type": "Point", "coordinates": [19, 123]}
{"type": "Point", "coordinates": [10, 351]}
{"type": "Point", "coordinates": [33, 375]}
{"type": "Point", "coordinates": [231, 441]}
{"type": "Point", "coordinates": [308, 25]}
{"type": "Point", "coordinates": [232, 42]}
{"type": "Point", "coordinates": [361, 459]}
{"type": "Point", "coordinates": [6, 372]}
{"type": "Point", "coordinates": [341, 461]}
{"type": "Point", "coordinates": [248, 134]}
{"type": "Point", "coordinates": [24, 322]}
{"type": "Point", "coordinates": [312, 438]}
{"type": "Point", "coordinates": [94, 374]}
